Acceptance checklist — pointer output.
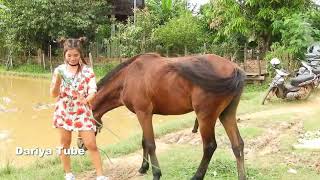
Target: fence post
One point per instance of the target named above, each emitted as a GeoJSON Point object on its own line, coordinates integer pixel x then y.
{"type": "Point", "coordinates": [185, 50]}
{"type": "Point", "coordinates": [39, 56]}
{"type": "Point", "coordinates": [245, 57]}
{"type": "Point", "coordinates": [167, 51]}
{"type": "Point", "coordinates": [44, 63]}
{"type": "Point", "coordinates": [90, 59]}
{"type": "Point", "coordinates": [50, 58]}
{"type": "Point", "coordinates": [259, 63]}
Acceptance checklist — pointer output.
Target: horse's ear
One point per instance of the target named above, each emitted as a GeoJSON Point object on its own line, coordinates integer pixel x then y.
{"type": "Point", "coordinates": [82, 40]}
{"type": "Point", "coordinates": [61, 40]}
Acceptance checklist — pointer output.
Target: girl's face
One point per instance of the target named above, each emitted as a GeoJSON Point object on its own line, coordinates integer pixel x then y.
{"type": "Point", "coordinates": [73, 56]}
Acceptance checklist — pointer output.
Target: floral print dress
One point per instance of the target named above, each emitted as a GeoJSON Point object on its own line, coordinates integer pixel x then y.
{"type": "Point", "coordinates": [70, 113]}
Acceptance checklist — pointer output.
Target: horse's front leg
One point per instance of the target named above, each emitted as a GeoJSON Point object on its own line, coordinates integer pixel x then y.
{"type": "Point", "coordinates": [145, 120]}
{"type": "Point", "coordinates": [145, 162]}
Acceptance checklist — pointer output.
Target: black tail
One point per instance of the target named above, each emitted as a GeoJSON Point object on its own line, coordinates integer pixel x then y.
{"type": "Point", "coordinates": [201, 73]}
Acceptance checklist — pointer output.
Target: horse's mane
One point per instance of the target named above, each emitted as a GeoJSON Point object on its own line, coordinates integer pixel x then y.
{"type": "Point", "coordinates": [200, 71]}
{"type": "Point", "coordinates": [109, 76]}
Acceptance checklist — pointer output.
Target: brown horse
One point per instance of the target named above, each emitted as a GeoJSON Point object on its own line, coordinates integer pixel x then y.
{"type": "Point", "coordinates": [149, 84]}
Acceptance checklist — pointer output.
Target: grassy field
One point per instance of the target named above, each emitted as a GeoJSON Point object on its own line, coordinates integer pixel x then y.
{"type": "Point", "coordinates": [268, 142]}
{"type": "Point", "coordinates": [268, 131]}
{"type": "Point", "coordinates": [34, 70]}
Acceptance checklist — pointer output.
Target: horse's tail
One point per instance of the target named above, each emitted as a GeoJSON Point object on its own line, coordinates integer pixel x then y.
{"type": "Point", "coordinates": [201, 73]}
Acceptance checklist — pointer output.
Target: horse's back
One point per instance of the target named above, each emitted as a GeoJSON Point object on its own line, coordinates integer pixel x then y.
{"type": "Point", "coordinates": [168, 83]}
{"type": "Point", "coordinates": [153, 80]}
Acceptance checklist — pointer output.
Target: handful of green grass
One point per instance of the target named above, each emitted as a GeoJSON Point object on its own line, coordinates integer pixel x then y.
{"type": "Point", "coordinates": [64, 77]}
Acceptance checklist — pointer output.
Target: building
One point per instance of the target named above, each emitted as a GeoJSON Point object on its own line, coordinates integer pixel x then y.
{"type": "Point", "coordinates": [121, 9]}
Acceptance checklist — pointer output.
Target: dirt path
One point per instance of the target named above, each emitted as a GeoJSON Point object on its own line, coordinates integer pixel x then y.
{"type": "Point", "coordinates": [126, 167]}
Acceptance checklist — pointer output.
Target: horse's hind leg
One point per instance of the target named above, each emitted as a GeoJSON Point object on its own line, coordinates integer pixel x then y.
{"type": "Point", "coordinates": [145, 120]}
{"type": "Point", "coordinates": [207, 131]}
{"type": "Point", "coordinates": [228, 119]}
{"type": "Point", "coordinates": [145, 162]}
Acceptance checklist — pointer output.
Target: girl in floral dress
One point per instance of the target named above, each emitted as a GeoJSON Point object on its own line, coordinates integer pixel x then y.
{"type": "Point", "coordinates": [74, 86]}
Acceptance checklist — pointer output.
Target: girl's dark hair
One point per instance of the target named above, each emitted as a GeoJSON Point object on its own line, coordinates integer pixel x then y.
{"type": "Point", "coordinates": [72, 43]}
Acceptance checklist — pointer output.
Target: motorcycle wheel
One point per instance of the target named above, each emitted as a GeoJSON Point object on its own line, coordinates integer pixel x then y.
{"type": "Point", "coordinates": [307, 92]}
{"type": "Point", "coordinates": [268, 93]}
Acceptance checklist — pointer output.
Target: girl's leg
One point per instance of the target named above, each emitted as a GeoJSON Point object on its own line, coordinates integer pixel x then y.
{"type": "Point", "coordinates": [89, 140]}
{"type": "Point", "coordinates": [65, 141]}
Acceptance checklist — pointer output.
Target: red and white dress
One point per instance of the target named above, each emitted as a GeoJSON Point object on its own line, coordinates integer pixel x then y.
{"type": "Point", "coordinates": [70, 113]}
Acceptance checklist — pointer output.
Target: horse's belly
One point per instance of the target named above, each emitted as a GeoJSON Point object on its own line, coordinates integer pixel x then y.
{"type": "Point", "coordinates": [172, 106]}
{"type": "Point", "coordinates": [171, 111]}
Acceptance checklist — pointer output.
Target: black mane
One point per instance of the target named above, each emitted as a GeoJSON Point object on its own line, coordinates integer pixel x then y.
{"type": "Point", "coordinates": [109, 76]}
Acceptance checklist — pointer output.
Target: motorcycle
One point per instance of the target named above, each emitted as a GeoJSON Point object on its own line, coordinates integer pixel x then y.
{"type": "Point", "coordinates": [310, 68]}
{"type": "Point", "coordinates": [299, 87]}
{"type": "Point", "coordinates": [312, 64]}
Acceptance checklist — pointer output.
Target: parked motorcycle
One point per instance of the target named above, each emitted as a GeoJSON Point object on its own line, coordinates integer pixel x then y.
{"type": "Point", "coordinates": [311, 68]}
{"type": "Point", "coordinates": [313, 61]}
{"type": "Point", "coordinates": [299, 87]}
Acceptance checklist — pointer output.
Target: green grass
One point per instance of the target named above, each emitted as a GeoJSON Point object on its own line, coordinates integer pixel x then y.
{"type": "Point", "coordinates": [250, 132]}
{"type": "Point", "coordinates": [311, 122]}
{"type": "Point", "coordinates": [36, 71]}
{"type": "Point", "coordinates": [181, 162]}
{"type": "Point", "coordinates": [102, 70]}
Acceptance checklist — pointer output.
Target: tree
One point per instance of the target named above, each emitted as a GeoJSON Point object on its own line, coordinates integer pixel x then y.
{"type": "Point", "coordinates": [253, 19]}
{"type": "Point", "coordinates": [180, 34]}
{"type": "Point", "coordinates": [135, 38]}
{"type": "Point", "coordinates": [35, 23]}
{"type": "Point", "coordinates": [164, 10]}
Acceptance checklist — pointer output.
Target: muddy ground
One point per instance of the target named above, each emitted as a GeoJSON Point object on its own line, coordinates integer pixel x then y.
{"type": "Point", "coordinates": [266, 145]}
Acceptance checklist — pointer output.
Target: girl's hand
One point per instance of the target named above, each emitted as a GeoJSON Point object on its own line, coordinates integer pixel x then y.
{"type": "Point", "coordinates": [58, 80]}
{"type": "Point", "coordinates": [83, 100]}
{"type": "Point", "coordinates": [55, 85]}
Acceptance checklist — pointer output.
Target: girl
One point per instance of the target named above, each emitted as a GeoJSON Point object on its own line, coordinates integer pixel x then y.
{"type": "Point", "coordinates": [74, 85]}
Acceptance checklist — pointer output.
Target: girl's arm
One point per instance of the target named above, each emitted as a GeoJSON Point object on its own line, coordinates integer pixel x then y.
{"type": "Point", "coordinates": [55, 85]}
{"type": "Point", "coordinates": [90, 98]}
{"type": "Point", "coordinates": [92, 88]}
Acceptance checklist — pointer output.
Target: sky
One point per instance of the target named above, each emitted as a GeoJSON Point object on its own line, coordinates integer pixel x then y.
{"type": "Point", "coordinates": [198, 3]}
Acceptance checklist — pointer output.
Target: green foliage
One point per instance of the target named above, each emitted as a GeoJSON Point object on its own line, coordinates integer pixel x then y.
{"type": "Point", "coordinates": [34, 23]}
{"type": "Point", "coordinates": [135, 37]}
{"type": "Point", "coordinates": [102, 70]}
{"type": "Point", "coordinates": [166, 9]}
{"type": "Point", "coordinates": [180, 33]}
{"type": "Point", "coordinates": [296, 34]}
{"type": "Point", "coordinates": [256, 20]}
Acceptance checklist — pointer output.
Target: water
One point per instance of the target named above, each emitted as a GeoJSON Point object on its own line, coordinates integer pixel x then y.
{"type": "Point", "coordinates": [26, 110]}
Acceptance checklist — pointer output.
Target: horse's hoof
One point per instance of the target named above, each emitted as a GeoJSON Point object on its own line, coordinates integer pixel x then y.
{"type": "Point", "coordinates": [194, 131]}
{"type": "Point", "coordinates": [143, 170]}
{"type": "Point", "coordinates": [81, 144]}
{"type": "Point", "coordinates": [196, 178]}
{"type": "Point", "coordinates": [156, 177]}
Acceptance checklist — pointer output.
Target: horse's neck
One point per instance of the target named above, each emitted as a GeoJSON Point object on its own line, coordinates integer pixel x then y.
{"type": "Point", "coordinates": [108, 97]}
